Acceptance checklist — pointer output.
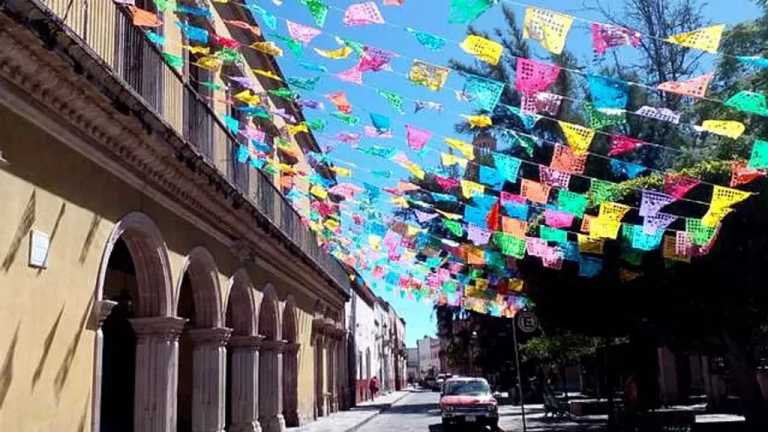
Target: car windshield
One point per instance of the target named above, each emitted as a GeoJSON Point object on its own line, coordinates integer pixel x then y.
{"type": "Point", "coordinates": [470, 388]}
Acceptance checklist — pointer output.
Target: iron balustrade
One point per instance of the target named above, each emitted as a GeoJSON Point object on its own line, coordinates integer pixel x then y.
{"type": "Point", "coordinates": [107, 30]}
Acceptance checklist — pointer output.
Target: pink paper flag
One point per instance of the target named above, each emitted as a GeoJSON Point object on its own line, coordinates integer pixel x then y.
{"type": "Point", "coordinates": [302, 33]}
{"type": "Point", "coordinates": [372, 132]}
{"type": "Point", "coordinates": [507, 197]}
{"type": "Point", "coordinates": [374, 60]}
{"type": "Point", "coordinates": [362, 14]}
{"type": "Point", "coordinates": [554, 177]}
{"type": "Point", "coordinates": [552, 257]}
{"type": "Point", "coordinates": [446, 182]}
{"type": "Point", "coordinates": [353, 75]}
{"type": "Point", "coordinates": [548, 103]}
{"type": "Point", "coordinates": [606, 36]}
{"type": "Point", "coordinates": [477, 235]}
{"type": "Point", "coordinates": [393, 2]}
{"type": "Point", "coordinates": [348, 137]}
{"type": "Point", "coordinates": [678, 185]}
{"type": "Point", "coordinates": [621, 144]}
{"type": "Point", "coordinates": [533, 77]}
{"type": "Point", "coordinates": [424, 216]}
{"type": "Point", "coordinates": [652, 201]}
{"type": "Point", "coordinates": [696, 87]}
{"type": "Point", "coordinates": [557, 219]}
{"type": "Point", "coordinates": [683, 244]}
{"type": "Point", "coordinates": [535, 246]}
{"type": "Point", "coordinates": [417, 138]}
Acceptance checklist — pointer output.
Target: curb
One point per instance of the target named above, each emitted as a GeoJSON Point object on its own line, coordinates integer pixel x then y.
{"type": "Point", "coordinates": [385, 408]}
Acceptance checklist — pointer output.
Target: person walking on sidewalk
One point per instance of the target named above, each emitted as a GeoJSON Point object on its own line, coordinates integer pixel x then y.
{"type": "Point", "coordinates": [374, 387]}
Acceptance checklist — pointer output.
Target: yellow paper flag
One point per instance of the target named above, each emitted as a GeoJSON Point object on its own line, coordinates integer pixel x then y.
{"type": "Point", "coordinates": [197, 49]}
{"type": "Point", "coordinates": [451, 216]}
{"type": "Point", "coordinates": [415, 169]}
{"type": "Point", "coordinates": [548, 27]}
{"type": "Point", "coordinates": [300, 127]}
{"type": "Point", "coordinates": [318, 191]}
{"type": "Point", "coordinates": [578, 137]}
{"type": "Point", "coordinates": [470, 188]}
{"type": "Point", "coordinates": [400, 202]}
{"type": "Point", "coordinates": [725, 197]}
{"type": "Point", "coordinates": [589, 244]}
{"type": "Point", "coordinates": [268, 48]}
{"type": "Point", "coordinates": [604, 228]}
{"type": "Point", "coordinates": [728, 128]}
{"type": "Point", "coordinates": [210, 63]}
{"type": "Point", "coordinates": [344, 172]}
{"type": "Point", "coordinates": [266, 73]}
{"type": "Point", "coordinates": [449, 160]}
{"type": "Point", "coordinates": [465, 148]}
{"type": "Point", "coordinates": [331, 224]}
{"type": "Point", "coordinates": [611, 211]}
{"type": "Point", "coordinates": [478, 121]}
{"type": "Point", "coordinates": [705, 39]}
{"type": "Point", "coordinates": [714, 216]}
{"type": "Point", "coordinates": [248, 97]}
{"type": "Point", "coordinates": [336, 54]}
{"type": "Point", "coordinates": [482, 48]}
{"type": "Point", "coordinates": [516, 285]}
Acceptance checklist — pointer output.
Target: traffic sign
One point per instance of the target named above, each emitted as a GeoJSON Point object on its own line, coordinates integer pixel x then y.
{"type": "Point", "coordinates": [527, 321]}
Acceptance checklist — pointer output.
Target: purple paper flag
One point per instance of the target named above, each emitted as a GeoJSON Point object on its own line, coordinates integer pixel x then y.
{"type": "Point", "coordinates": [653, 201]}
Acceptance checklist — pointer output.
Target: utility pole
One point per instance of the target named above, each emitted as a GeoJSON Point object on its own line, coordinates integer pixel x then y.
{"type": "Point", "coordinates": [519, 374]}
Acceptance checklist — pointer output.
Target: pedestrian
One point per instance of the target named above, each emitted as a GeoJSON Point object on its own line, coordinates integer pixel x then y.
{"type": "Point", "coordinates": [373, 385]}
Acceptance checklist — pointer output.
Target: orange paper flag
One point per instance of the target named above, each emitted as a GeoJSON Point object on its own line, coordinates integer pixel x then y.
{"type": "Point", "coordinates": [144, 18]}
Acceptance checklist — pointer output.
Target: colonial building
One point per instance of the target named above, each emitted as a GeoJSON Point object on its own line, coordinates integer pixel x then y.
{"type": "Point", "coordinates": [376, 332]}
{"type": "Point", "coordinates": [428, 349]}
{"type": "Point", "coordinates": [150, 282]}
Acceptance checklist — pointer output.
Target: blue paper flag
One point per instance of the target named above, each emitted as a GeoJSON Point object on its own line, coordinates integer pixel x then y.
{"type": "Point", "coordinates": [194, 34]}
{"type": "Point", "coordinates": [629, 169]}
{"type": "Point", "coordinates": [476, 216]}
{"type": "Point", "coordinates": [490, 177]}
{"type": "Point", "coordinates": [380, 122]}
{"type": "Point", "coordinates": [608, 92]}
{"type": "Point", "coordinates": [508, 166]}
{"type": "Point", "coordinates": [484, 93]}
{"type": "Point", "coordinates": [590, 267]}
{"type": "Point", "coordinates": [516, 210]}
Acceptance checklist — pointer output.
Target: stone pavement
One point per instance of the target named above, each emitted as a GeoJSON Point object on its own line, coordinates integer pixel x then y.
{"type": "Point", "coordinates": [350, 420]}
{"type": "Point", "coordinates": [510, 419]}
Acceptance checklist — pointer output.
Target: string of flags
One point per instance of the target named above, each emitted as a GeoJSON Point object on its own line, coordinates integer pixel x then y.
{"type": "Point", "coordinates": [462, 225]}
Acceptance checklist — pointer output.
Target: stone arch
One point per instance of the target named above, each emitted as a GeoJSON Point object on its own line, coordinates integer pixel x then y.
{"type": "Point", "coordinates": [269, 315]}
{"type": "Point", "coordinates": [290, 363]}
{"type": "Point", "coordinates": [243, 304]}
{"type": "Point", "coordinates": [201, 392]}
{"type": "Point", "coordinates": [243, 357]}
{"type": "Point", "coordinates": [139, 235]}
{"type": "Point", "coordinates": [271, 363]}
{"type": "Point", "coordinates": [150, 258]}
{"type": "Point", "coordinates": [203, 274]}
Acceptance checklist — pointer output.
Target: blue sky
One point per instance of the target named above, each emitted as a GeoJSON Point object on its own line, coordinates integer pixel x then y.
{"type": "Point", "coordinates": [429, 16]}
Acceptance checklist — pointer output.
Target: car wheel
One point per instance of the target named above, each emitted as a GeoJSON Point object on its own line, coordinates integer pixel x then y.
{"type": "Point", "coordinates": [447, 427]}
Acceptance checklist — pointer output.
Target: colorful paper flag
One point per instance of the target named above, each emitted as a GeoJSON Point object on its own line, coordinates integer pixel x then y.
{"type": "Point", "coordinates": [547, 27]}
{"type": "Point", "coordinates": [363, 14]}
{"type": "Point", "coordinates": [430, 76]}
{"type": "Point", "coordinates": [484, 49]}
{"type": "Point", "coordinates": [705, 39]}
{"type": "Point", "coordinates": [696, 87]}
{"type": "Point", "coordinates": [578, 137]}
{"type": "Point", "coordinates": [532, 77]}
{"type": "Point", "coordinates": [606, 36]}
{"type": "Point", "coordinates": [466, 11]}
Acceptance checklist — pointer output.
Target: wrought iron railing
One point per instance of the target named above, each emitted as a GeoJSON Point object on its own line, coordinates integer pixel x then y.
{"type": "Point", "coordinates": [108, 31]}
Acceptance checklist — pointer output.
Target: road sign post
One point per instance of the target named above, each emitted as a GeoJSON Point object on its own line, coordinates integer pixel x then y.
{"type": "Point", "coordinates": [528, 323]}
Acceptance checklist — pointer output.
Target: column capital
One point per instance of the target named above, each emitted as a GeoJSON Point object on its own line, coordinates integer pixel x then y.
{"type": "Point", "coordinates": [216, 336]}
{"type": "Point", "coordinates": [102, 309]}
{"type": "Point", "coordinates": [246, 341]}
{"type": "Point", "coordinates": [273, 345]}
{"type": "Point", "coordinates": [165, 326]}
{"type": "Point", "coordinates": [291, 347]}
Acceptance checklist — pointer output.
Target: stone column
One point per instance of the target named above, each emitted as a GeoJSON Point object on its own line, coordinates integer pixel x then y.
{"type": "Point", "coordinates": [101, 310]}
{"type": "Point", "coordinates": [209, 378]}
{"type": "Point", "coordinates": [271, 386]}
{"type": "Point", "coordinates": [320, 376]}
{"type": "Point", "coordinates": [291, 387]}
{"type": "Point", "coordinates": [157, 371]}
{"type": "Point", "coordinates": [245, 383]}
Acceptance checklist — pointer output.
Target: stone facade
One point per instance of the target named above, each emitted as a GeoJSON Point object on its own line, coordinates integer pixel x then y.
{"type": "Point", "coordinates": [177, 291]}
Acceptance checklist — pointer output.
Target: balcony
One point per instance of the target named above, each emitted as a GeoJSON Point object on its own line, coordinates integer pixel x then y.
{"type": "Point", "coordinates": [104, 31]}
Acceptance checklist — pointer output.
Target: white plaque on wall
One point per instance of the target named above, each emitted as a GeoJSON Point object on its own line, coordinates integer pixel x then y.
{"type": "Point", "coordinates": [39, 243]}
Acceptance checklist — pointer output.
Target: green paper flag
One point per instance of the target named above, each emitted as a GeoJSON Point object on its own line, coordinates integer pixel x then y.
{"type": "Point", "coordinates": [553, 234]}
{"type": "Point", "coordinates": [700, 234]}
{"type": "Point", "coordinates": [304, 83]}
{"type": "Point", "coordinates": [433, 42]}
{"type": "Point", "coordinates": [394, 99]}
{"type": "Point", "coordinates": [749, 102]}
{"type": "Point", "coordinates": [346, 118]}
{"type": "Point", "coordinates": [296, 48]}
{"type": "Point", "coordinates": [759, 158]}
{"type": "Point", "coordinates": [601, 191]}
{"type": "Point", "coordinates": [317, 9]}
{"type": "Point", "coordinates": [174, 61]}
{"type": "Point", "coordinates": [454, 227]}
{"type": "Point", "coordinates": [599, 119]}
{"type": "Point", "coordinates": [449, 287]}
{"type": "Point", "coordinates": [284, 93]}
{"type": "Point", "coordinates": [510, 245]}
{"type": "Point", "coordinates": [495, 260]}
{"type": "Point", "coordinates": [572, 202]}
{"type": "Point", "coordinates": [317, 125]}
{"type": "Point", "coordinates": [465, 11]}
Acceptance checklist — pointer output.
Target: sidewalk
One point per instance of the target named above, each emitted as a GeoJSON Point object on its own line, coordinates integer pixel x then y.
{"type": "Point", "coordinates": [347, 421]}
{"type": "Point", "coordinates": [510, 419]}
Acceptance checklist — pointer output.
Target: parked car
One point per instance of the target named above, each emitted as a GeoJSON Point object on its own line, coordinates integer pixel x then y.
{"type": "Point", "coordinates": [466, 401]}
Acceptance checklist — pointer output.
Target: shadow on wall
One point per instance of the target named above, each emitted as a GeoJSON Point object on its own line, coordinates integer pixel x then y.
{"type": "Point", "coordinates": [6, 373]}
{"type": "Point", "coordinates": [92, 230]}
{"type": "Point", "coordinates": [46, 349]}
{"type": "Point", "coordinates": [54, 230]}
{"type": "Point", "coordinates": [25, 225]}
{"type": "Point", "coordinates": [69, 357]}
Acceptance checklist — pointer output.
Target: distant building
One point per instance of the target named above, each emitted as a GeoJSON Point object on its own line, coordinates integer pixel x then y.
{"type": "Point", "coordinates": [412, 365]}
{"type": "Point", "coordinates": [429, 355]}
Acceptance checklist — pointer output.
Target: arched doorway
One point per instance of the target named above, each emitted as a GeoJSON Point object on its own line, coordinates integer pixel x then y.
{"type": "Point", "coordinates": [290, 364]}
{"type": "Point", "coordinates": [135, 352]}
{"type": "Point", "coordinates": [202, 347]}
{"type": "Point", "coordinates": [270, 364]}
{"type": "Point", "coordinates": [243, 355]}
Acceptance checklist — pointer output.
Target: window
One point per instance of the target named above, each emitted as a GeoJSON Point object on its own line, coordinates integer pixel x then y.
{"type": "Point", "coordinates": [198, 120]}
{"type": "Point", "coordinates": [137, 61]}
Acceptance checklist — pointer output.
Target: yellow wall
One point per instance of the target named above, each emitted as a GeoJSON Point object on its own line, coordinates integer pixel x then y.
{"type": "Point", "coordinates": [46, 331]}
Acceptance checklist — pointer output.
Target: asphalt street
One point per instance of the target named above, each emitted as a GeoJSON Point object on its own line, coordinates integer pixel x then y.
{"type": "Point", "coordinates": [419, 412]}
